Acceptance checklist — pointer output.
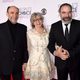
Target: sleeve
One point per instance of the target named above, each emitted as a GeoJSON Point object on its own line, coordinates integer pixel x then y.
{"type": "Point", "coordinates": [75, 51]}
{"type": "Point", "coordinates": [26, 55]}
{"type": "Point", "coordinates": [28, 43]}
{"type": "Point", "coordinates": [51, 45]}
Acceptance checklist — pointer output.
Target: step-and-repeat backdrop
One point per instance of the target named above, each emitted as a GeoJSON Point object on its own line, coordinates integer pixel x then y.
{"type": "Point", "coordinates": [49, 8]}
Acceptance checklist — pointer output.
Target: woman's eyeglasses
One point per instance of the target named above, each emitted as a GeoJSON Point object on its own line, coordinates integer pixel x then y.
{"type": "Point", "coordinates": [39, 19]}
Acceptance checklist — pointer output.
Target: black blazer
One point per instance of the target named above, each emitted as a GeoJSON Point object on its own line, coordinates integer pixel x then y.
{"type": "Point", "coordinates": [73, 45]}
{"type": "Point", "coordinates": [12, 55]}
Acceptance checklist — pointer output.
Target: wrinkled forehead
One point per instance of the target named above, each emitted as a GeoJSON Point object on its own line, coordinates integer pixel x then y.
{"type": "Point", "coordinates": [13, 9]}
{"type": "Point", "coordinates": [66, 8]}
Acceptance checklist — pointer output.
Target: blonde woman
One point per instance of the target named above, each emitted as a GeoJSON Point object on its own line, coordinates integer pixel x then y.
{"type": "Point", "coordinates": [39, 66]}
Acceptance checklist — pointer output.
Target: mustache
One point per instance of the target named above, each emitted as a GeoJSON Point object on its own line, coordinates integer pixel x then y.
{"type": "Point", "coordinates": [67, 18]}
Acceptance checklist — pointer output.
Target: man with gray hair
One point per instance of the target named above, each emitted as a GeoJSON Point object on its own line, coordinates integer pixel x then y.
{"type": "Point", "coordinates": [13, 46]}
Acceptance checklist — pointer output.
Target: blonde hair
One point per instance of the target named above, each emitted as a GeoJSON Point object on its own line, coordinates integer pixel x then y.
{"type": "Point", "coordinates": [34, 15]}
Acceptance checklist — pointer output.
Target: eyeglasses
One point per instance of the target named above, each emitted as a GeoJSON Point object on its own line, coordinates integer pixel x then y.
{"type": "Point", "coordinates": [39, 19]}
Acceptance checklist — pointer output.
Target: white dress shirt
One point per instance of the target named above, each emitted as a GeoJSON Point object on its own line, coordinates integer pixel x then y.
{"type": "Point", "coordinates": [64, 27]}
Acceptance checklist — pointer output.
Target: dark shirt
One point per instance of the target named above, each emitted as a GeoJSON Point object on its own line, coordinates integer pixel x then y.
{"type": "Point", "coordinates": [13, 28]}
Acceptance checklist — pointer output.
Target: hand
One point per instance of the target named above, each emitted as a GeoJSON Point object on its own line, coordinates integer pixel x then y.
{"type": "Point", "coordinates": [62, 53]}
{"type": "Point", "coordinates": [65, 54]}
{"type": "Point", "coordinates": [58, 51]}
{"type": "Point", "coordinates": [64, 57]}
{"type": "Point", "coordinates": [24, 66]}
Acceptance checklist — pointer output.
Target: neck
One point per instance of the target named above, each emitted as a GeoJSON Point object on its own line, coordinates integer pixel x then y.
{"type": "Point", "coordinates": [39, 29]}
{"type": "Point", "coordinates": [66, 22]}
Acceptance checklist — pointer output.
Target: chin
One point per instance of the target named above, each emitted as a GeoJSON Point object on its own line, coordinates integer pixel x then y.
{"type": "Point", "coordinates": [14, 22]}
{"type": "Point", "coordinates": [67, 21]}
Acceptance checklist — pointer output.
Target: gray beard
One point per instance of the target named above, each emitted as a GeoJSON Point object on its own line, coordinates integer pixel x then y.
{"type": "Point", "coordinates": [66, 22]}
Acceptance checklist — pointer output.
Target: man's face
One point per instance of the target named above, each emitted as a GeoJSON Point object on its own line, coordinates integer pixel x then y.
{"type": "Point", "coordinates": [66, 14]}
{"type": "Point", "coordinates": [13, 14]}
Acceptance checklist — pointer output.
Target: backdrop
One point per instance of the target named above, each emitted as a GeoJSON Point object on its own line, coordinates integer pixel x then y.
{"type": "Point", "coordinates": [49, 8]}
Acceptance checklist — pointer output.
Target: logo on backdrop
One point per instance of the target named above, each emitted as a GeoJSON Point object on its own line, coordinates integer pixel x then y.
{"type": "Point", "coordinates": [43, 11]}
{"type": "Point", "coordinates": [25, 12]}
{"type": "Point", "coordinates": [74, 9]}
{"type": "Point", "coordinates": [7, 0]}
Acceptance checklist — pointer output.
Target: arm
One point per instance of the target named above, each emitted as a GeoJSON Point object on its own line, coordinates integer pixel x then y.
{"type": "Point", "coordinates": [75, 51]}
{"type": "Point", "coordinates": [56, 50]}
{"type": "Point", "coordinates": [75, 48]}
{"type": "Point", "coordinates": [26, 56]}
{"type": "Point", "coordinates": [51, 45]}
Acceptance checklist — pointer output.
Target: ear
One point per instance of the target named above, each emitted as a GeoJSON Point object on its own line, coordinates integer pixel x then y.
{"type": "Point", "coordinates": [7, 14]}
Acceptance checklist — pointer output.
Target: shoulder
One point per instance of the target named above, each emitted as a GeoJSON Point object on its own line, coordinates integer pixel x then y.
{"type": "Point", "coordinates": [56, 23]}
{"type": "Point", "coordinates": [21, 26]}
{"type": "Point", "coordinates": [3, 25]}
{"type": "Point", "coordinates": [76, 21]}
{"type": "Point", "coordinates": [76, 25]}
{"type": "Point", "coordinates": [30, 31]}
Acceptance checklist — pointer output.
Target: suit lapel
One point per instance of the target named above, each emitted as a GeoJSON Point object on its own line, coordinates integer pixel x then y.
{"type": "Point", "coordinates": [8, 34]}
{"type": "Point", "coordinates": [61, 30]}
{"type": "Point", "coordinates": [61, 33]}
{"type": "Point", "coordinates": [72, 30]}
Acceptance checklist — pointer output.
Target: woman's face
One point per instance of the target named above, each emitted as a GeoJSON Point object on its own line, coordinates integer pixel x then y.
{"type": "Point", "coordinates": [37, 21]}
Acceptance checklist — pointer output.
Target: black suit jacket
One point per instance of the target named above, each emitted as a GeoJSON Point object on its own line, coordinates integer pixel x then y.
{"type": "Point", "coordinates": [12, 55]}
{"type": "Point", "coordinates": [73, 45]}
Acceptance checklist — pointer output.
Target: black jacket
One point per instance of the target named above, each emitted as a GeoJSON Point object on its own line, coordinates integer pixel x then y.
{"type": "Point", "coordinates": [12, 54]}
{"type": "Point", "coordinates": [73, 45]}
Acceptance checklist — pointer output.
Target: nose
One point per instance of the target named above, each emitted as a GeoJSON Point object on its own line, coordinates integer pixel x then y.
{"type": "Point", "coordinates": [67, 14]}
{"type": "Point", "coordinates": [15, 15]}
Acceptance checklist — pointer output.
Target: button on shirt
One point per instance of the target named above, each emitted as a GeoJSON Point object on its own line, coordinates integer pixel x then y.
{"type": "Point", "coordinates": [14, 51]}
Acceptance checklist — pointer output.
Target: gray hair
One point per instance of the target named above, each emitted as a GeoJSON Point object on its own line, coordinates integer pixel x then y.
{"type": "Point", "coordinates": [11, 7]}
{"type": "Point", "coordinates": [34, 15]}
